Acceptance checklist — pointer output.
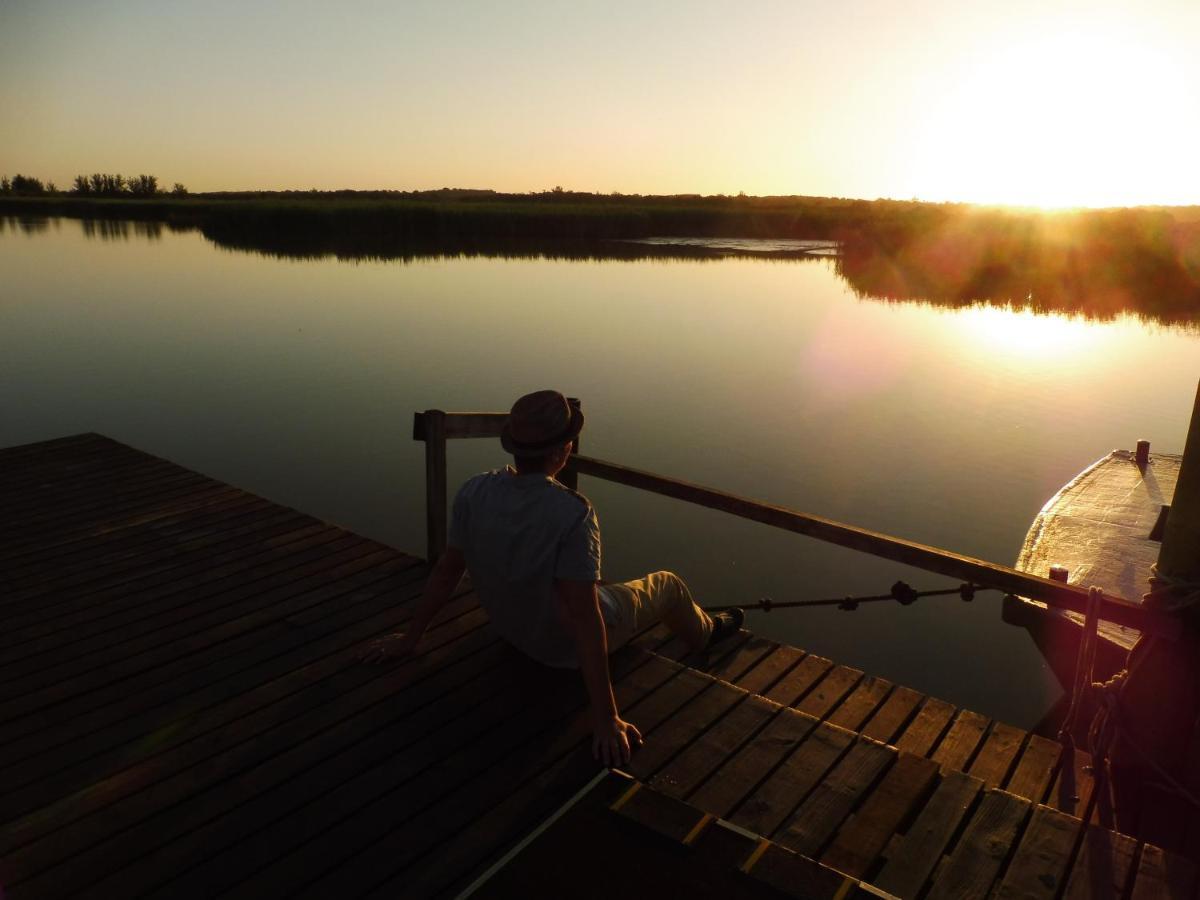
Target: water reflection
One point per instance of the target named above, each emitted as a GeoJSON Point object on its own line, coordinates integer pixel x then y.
{"type": "Point", "coordinates": [121, 229]}
{"type": "Point", "coordinates": [1098, 268]}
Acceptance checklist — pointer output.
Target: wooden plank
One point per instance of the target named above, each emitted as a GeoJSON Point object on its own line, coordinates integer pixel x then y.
{"type": "Point", "coordinates": [461, 424]}
{"type": "Point", "coordinates": [997, 754]}
{"type": "Point", "coordinates": [670, 818]}
{"type": "Point", "coordinates": [921, 848]}
{"type": "Point", "coordinates": [683, 728]}
{"type": "Point", "coordinates": [770, 669]}
{"type": "Point", "coordinates": [93, 560]}
{"type": "Point", "coordinates": [893, 715]}
{"type": "Point", "coordinates": [263, 781]}
{"type": "Point", "coordinates": [794, 876]}
{"type": "Point", "coordinates": [972, 868]}
{"type": "Point", "coordinates": [829, 691]}
{"type": "Point", "coordinates": [922, 734]}
{"type": "Point", "coordinates": [857, 708]}
{"type": "Point", "coordinates": [961, 741]}
{"type": "Point", "coordinates": [155, 684]}
{"type": "Point", "coordinates": [74, 610]}
{"type": "Point", "coordinates": [22, 712]}
{"type": "Point", "coordinates": [1035, 769]}
{"type": "Point", "coordinates": [711, 748]}
{"type": "Point", "coordinates": [1163, 876]}
{"type": "Point", "coordinates": [863, 838]}
{"type": "Point", "coordinates": [765, 810]}
{"type": "Point", "coordinates": [142, 829]}
{"type": "Point", "coordinates": [831, 801]}
{"type": "Point", "coordinates": [110, 740]}
{"type": "Point", "coordinates": [328, 690]}
{"type": "Point", "coordinates": [478, 793]}
{"type": "Point", "coordinates": [931, 559]}
{"type": "Point", "coordinates": [1043, 856]}
{"type": "Point", "coordinates": [1103, 866]}
{"type": "Point", "coordinates": [732, 666]}
{"type": "Point", "coordinates": [799, 681]}
{"type": "Point", "coordinates": [27, 653]}
{"type": "Point", "coordinates": [738, 776]}
{"type": "Point", "coordinates": [110, 515]}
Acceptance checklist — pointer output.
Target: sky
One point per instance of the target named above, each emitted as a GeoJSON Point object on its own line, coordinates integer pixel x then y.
{"type": "Point", "coordinates": [1026, 103]}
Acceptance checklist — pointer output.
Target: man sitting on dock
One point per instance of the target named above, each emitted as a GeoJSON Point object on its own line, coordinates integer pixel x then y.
{"type": "Point", "coordinates": [532, 547]}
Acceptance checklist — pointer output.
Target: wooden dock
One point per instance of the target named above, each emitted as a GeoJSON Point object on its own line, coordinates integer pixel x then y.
{"type": "Point", "coordinates": [183, 715]}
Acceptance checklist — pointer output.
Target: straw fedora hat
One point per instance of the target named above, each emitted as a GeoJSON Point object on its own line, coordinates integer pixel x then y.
{"type": "Point", "coordinates": [539, 422]}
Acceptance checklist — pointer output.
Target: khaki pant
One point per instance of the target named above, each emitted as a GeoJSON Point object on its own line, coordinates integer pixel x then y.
{"type": "Point", "coordinates": [660, 596]}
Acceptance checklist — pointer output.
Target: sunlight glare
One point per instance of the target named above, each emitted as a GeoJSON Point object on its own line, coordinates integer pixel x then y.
{"type": "Point", "coordinates": [1063, 118]}
{"type": "Point", "coordinates": [1027, 335]}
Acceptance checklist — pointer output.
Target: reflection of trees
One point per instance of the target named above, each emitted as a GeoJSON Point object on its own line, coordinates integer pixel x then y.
{"type": "Point", "coordinates": [1097, 264]}
{"type": "Point", "coordinates": [120, 229]}
{"type": "Point", "coordinates": [26, 224]}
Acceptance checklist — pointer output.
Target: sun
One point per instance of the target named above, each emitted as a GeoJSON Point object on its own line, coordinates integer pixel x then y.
{"type": "Point", "coordinates": [1068, 117]}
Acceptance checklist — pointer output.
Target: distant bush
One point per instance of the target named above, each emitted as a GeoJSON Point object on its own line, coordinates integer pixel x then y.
{"type": "Point", "coordinates": [179, 190]}
{"type": "Point", "coordinates": [22, 184]}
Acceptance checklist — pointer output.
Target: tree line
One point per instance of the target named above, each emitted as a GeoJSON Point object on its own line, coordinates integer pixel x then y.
{"type": "Point", "coordinates": [96, 185]}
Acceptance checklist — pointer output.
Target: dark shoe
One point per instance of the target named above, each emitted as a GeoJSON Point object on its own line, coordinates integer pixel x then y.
{"type": "Point", "coordinates": [725, 625]}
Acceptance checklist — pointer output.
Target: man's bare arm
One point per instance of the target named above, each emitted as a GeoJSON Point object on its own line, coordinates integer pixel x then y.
{"type": "Point", "coordinates": [441, 584]}
{"type": "Point", "coordinates": [612, 738]}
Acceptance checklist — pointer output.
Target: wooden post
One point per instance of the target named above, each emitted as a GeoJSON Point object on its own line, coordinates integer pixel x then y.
{"type": "Point", "coordinates": [435, 484]}
{"type": "Point", "coordinates": [1180, 553]}
{"type": "Point", "coordinates": [1160, 701]}
{"type": "Point", "coordinates": [569, 476]}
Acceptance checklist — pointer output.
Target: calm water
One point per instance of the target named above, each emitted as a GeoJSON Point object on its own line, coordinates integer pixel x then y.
{"type": "Point", "coordinates": [297, 380]}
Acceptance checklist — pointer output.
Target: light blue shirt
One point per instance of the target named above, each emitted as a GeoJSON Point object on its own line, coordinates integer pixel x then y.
{"type": "Point", "coordinates": [518, 533]}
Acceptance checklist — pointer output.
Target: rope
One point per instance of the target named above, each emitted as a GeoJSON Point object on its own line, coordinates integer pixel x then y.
{"type": "Point", "coordinates": [900, 592]}
{"type": "Point", "coordinates": [1085, 661]}
{"type": "Point", "coordinates": [1106, 726]}
{"type": "Point", "coordinates": [1170, 592]}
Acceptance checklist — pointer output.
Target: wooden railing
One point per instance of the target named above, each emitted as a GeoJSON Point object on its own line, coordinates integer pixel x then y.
{"type": "Point", "coordinates": [436, 427]}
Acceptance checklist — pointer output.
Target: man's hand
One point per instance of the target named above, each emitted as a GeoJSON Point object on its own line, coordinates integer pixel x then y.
{"type": "Point", "coordinates": [614, 740]}
{"type": "Point", "coordinates": [392, 646]}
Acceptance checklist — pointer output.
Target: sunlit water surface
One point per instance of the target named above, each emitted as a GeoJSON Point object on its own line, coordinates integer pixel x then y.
{"type": "Point", "coordinates": [297, 380]}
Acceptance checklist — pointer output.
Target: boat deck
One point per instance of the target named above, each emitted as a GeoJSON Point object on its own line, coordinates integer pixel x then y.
{"type": "Point", "coordinates": [183, 715]}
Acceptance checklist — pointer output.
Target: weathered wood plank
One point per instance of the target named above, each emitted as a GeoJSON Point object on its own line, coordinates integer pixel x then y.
{"type": "Point", "coordinates": [1035, 768]}
{"type": "Point", "coordinates": [829, 691]}
{"type": "Point", "coordinates": [738, 776]}
{"type": "Point", "coordinates": [972, 868]}
{"type": "Point", "coordinates": [683, 728]}
{"type": "Point", "coordinates": [861, 703]}
{"type": "Point", "coordinates": [921, 848]}
{"type": "Point", "coordinates": [744, 658]}
{"type": "Point", "coordinates": [367, 856]}
{"type": "Point", "coordinates": [863, 838]}
{"type": "Point", "coordinates": [265, 692]}
{"type": "Point", "coordinates": [1043, 856]}
{"type": "Point", "coordinates": [766, 809]}
{"type": "Point", "coordinates": [961, 741]}
{"type": "Point", "coordinates": [713, 747]}
{"type": "Point", "coordinates": [1103, 866]}
{"type": "Point", "coordinates": [922, 734]}
{"type": "Point", "coordinates": [833, 798]}
{"type": "Point", "coordinates": [1163, 876]}
{"type": "Point", "coordinates": [997, 754]}
{"type": "Point", "coordinates": [799, 681]}
{"type": "Point", "coordinates": [770, 669]}
{"type": "Point", "coordinates": [893, 715]}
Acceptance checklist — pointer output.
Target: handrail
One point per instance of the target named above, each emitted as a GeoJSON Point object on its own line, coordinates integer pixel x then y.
{"type": "Point", "coordinates": [435, 426]}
